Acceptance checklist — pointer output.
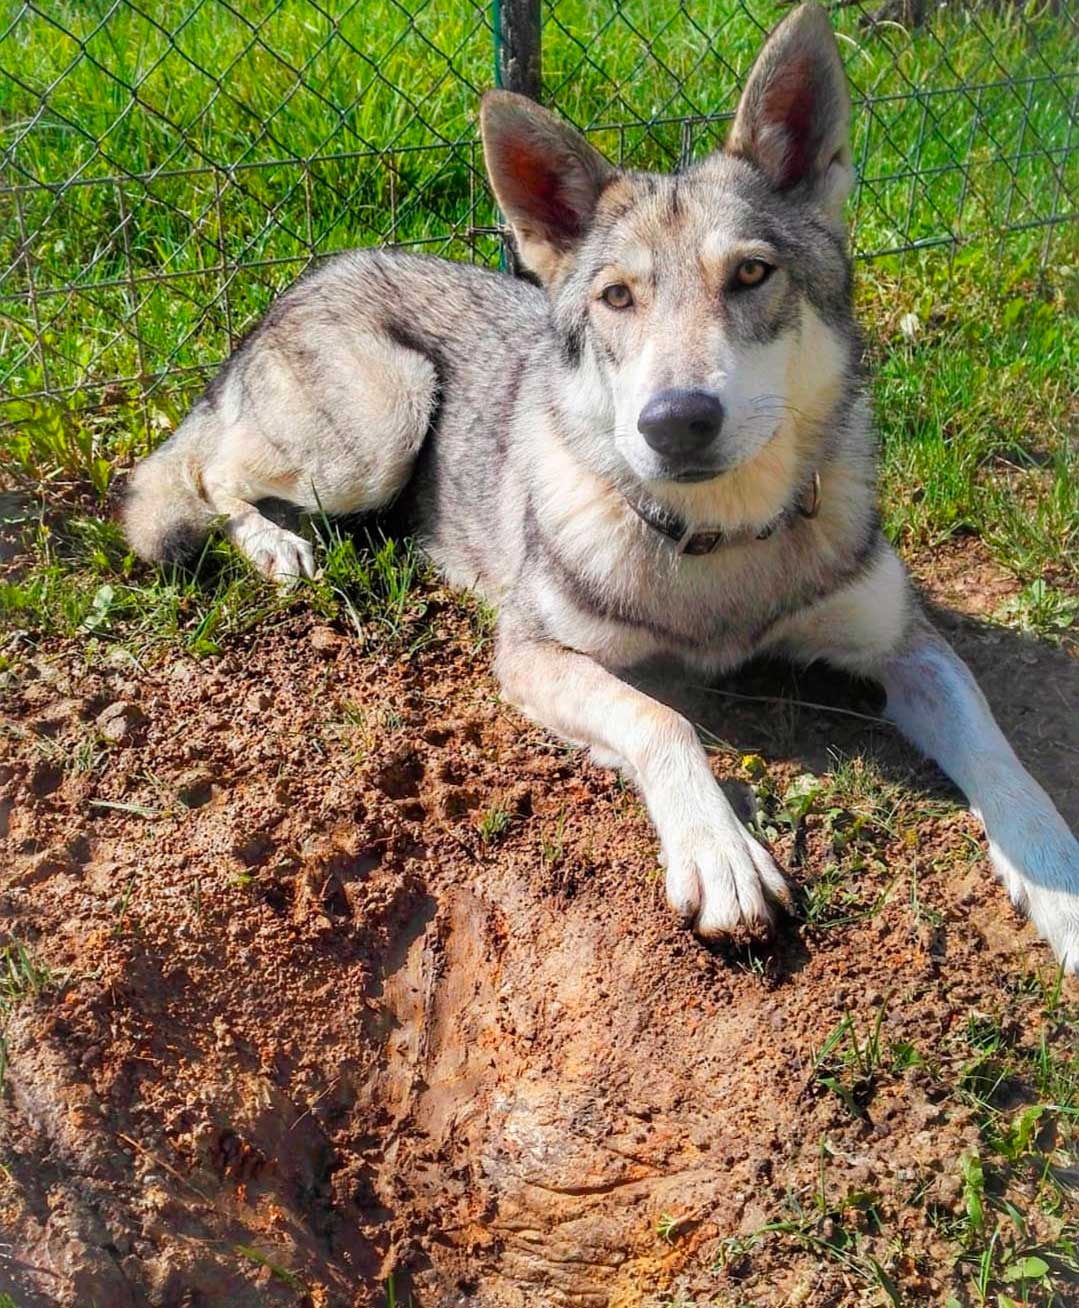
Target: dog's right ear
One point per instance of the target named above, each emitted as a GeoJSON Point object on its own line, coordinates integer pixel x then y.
{"type": "Point", "coordinates": [545, 176]}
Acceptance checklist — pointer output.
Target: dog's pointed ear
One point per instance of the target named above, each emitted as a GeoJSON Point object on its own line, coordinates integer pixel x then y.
{"type": "Point", "coordinates": [545, 176]}
{"type": "Point", "coordinates": [793, 119]}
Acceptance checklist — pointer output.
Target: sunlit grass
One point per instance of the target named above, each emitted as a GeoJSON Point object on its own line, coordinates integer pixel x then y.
{"type": "Point", "coordinates": [220, 148]}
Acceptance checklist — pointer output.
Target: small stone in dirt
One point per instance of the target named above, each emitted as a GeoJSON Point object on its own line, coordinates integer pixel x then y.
{"type": "Point", "coordinates": [195, 788]}
{"type": "Point", "coordinates": [326, 641]}
{"type": "Point", "coordinates": [45, 777]}
{"type": "Point", "coordinates": [121, 723]}
{"type": "Point", "coordinates": [49, 864]}
{"type": "Point", "coordinates": [257, 701]}
{"type": "Point", "coordinates": [118, 657]}
{"type": "Point", "coordinates": [519, 800]}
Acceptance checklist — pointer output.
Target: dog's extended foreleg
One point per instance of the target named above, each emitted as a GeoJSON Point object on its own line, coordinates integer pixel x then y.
{"type": "Point", "coordinates": [935, 701]}
{"type": "Point", "coordinates": [875, 628]}
{"type": "Point", "coordinates": [718, 876]}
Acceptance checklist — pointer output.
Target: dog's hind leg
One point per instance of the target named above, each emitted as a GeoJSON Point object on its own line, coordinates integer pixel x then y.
{"type": "Point", "coordinates": [327, 419]}
{"type": "Point", "coordinates": [208, 475]}
{"type": "Point", "coordinates": [275, 551]}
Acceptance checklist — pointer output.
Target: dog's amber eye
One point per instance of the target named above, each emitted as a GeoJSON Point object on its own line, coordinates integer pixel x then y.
{"type": "Point", "coordinates": [751, 272]}
{"type": "Point", "coordinates": [618, 296]}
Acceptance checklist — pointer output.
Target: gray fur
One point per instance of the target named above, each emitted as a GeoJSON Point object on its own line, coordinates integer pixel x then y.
{"type": "Point", "coordinates": [505, 418]}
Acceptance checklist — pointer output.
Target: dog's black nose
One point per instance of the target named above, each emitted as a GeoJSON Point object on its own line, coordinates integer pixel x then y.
{"type": "Point", "coordinates": [681, 422]}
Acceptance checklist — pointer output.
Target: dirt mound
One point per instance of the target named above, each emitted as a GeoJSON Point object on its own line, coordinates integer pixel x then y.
{"type": "Point", "coordinates": [354, 986]}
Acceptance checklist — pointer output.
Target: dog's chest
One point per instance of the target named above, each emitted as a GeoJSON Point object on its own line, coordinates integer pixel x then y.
{"type": "Point", "coordinates": [625, 600]}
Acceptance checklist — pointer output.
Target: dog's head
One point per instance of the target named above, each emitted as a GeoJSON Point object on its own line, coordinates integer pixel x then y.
{"type": "Point", "coordinates": [704, 311]}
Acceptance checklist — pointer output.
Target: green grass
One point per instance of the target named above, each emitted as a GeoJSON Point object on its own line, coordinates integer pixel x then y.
{"type": "Point", "coordinates": [1012, 1068]}
{"type": "Point", "coordinates": [81, 581]}
{"type": "Point", "coordinates": [977, 415]}
{"type": "Point", "coordinates": [21, 978]}
{"type": "Point", "coordinates": [257, 142]}
{"type": "Point", "coordinates": [275, 1270]}
{"type": "Point", "coordinates": [390, 1288]}
{"type": "Point", "coordinates": [494, 823]}
{"type": "Point", "coordinates": [1012, 1224]}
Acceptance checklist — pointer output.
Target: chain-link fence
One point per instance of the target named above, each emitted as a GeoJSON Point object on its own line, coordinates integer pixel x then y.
{"type": "Point", "coordinates": [166, 169]}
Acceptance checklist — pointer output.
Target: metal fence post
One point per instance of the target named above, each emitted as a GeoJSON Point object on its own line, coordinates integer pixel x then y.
{"type": "Point", "coordinates": [518, 50]}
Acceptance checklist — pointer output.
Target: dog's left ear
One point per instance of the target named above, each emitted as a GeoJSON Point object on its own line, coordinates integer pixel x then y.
{"type": "Point", "coordinates": [793, 119]}
{"type": "Point", "coordinates": [546, 178]}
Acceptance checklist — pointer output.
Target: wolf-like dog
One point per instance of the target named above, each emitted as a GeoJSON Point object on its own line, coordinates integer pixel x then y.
{"type": "Point", "coordinates": [661, 455]}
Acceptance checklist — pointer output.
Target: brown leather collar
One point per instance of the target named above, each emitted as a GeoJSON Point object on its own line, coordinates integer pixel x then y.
{"type": "Point", "coordinates": [706, 541]}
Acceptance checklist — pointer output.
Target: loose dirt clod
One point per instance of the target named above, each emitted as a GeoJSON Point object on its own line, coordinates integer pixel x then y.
{"type": "Point", "coordinates": [326, 641]}
{"type": "Point", "coordinates": [121, 723]}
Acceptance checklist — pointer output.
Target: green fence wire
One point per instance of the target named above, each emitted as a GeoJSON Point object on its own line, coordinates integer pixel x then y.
{"type": "Point", "coordinates": [164, 170]}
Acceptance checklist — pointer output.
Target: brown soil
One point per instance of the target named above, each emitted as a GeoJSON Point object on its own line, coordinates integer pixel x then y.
{"type": "Point", "coordinates": [309, 1026]}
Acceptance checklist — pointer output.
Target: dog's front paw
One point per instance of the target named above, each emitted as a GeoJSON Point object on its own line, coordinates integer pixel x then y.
{"type": "Point", "coordinates": [719, 878]}
{"type": "Point", "coordinates": [1040, 868]}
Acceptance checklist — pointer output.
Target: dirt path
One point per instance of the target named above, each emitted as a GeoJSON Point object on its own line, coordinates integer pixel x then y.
{"type": "Point", "coordinates": [353, 973]}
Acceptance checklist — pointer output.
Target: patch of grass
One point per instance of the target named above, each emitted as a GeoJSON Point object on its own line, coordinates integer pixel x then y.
{"type": "Point", "coordinates": [668, 1226]}
{"type": "Point", "coordinates": [483, 619]}
{"type": "Point", "coordinates": [350, 85]}
{"type": "Point", "coordinates": [371, 581]}
{"type": "Point", "coordinates": [1018, 1221]}
{"type": "Point", "coordinates": [361, 729]}
{"type": "Point", "coordinates": [1041, 610]}
{"type": "Point", "coordinates": [1007, 1214]}
{"type": "Point", "coordinates": [978, 435]}
{"type": "Point", "coordinates": [553, 847]}
{"type": "Point", "coordinates": [123, 905]}
{"type": "Point", "coordinates": [278, 1272]}
{"type": "Point", "coordinates": [85, 755]}
{"type": "Point", "coordinates": [21, 978]}
{"type": "Point", "coordinates": [854, 807]}
{"type": "Point", "coordinates": [849, 1065]}
{"type": "Point", "coordinates": [77, 579]}
{"type": "Point", "coordinates": [494, 823]}
{"type": "Point", "coordinates": [977, 416]}
{"type": "Point", "coordinates": [831, 1230]}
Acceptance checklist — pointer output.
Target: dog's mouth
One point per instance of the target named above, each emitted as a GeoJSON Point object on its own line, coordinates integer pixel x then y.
{"type": "Point", "coordinates": [694, 474]}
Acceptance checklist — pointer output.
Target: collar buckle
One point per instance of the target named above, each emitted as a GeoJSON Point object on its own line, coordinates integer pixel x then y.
{"type": "Point", "coordinates": [700, 542]}
{"type": "Point", "coordinates": [813, 508]}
